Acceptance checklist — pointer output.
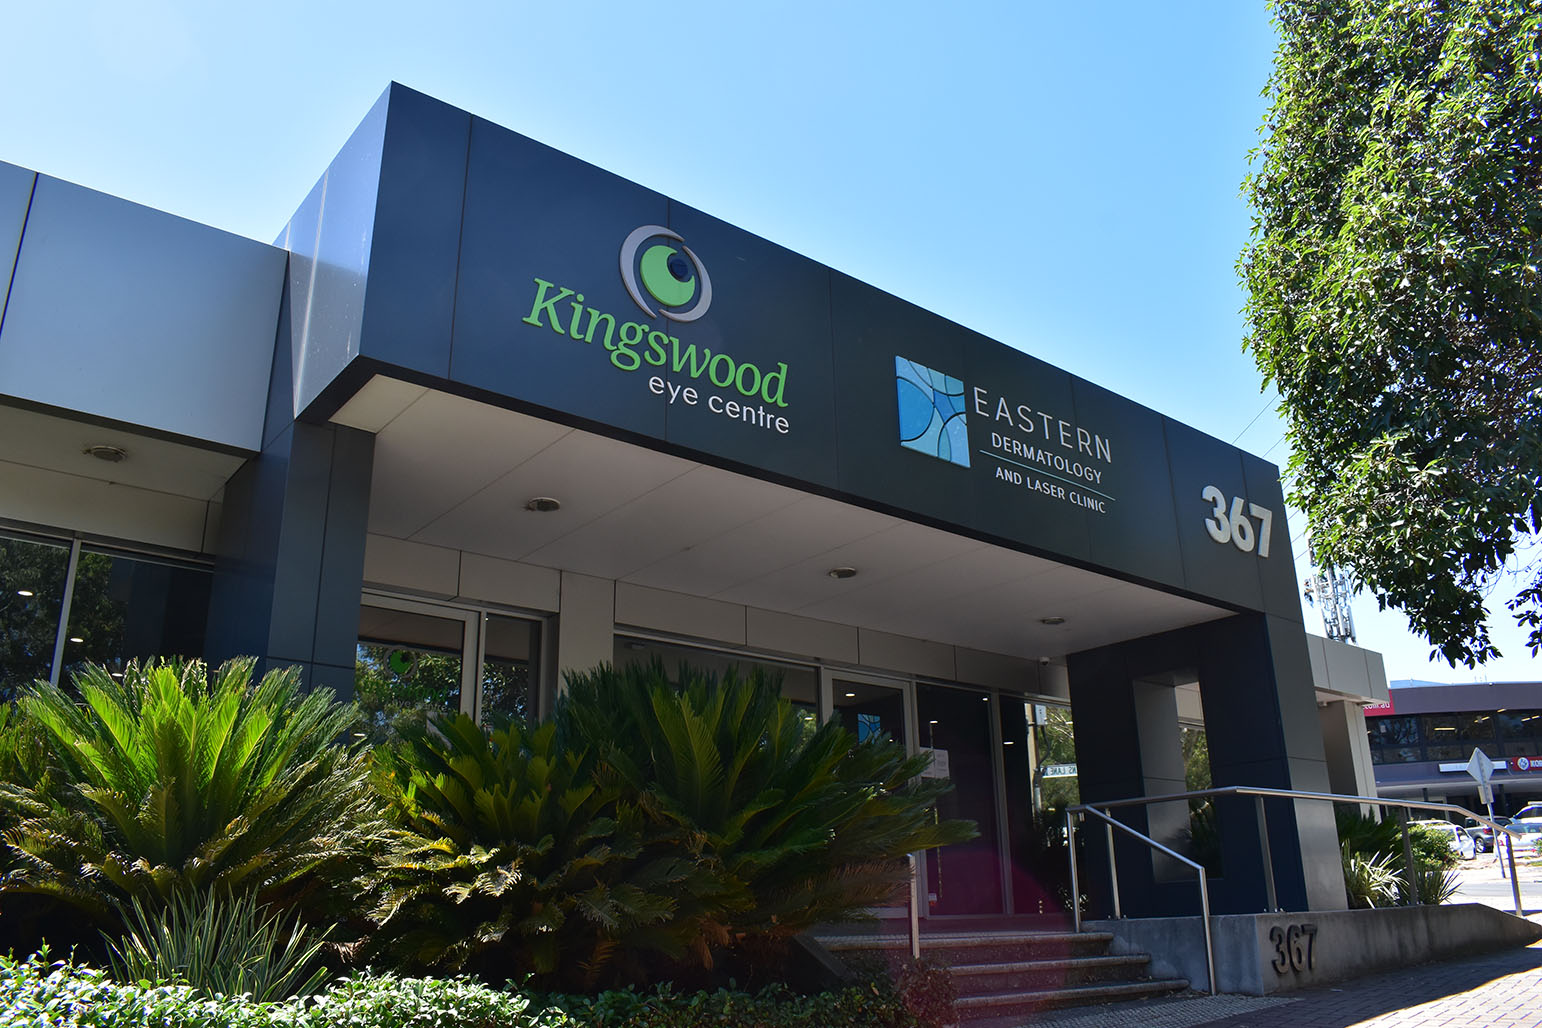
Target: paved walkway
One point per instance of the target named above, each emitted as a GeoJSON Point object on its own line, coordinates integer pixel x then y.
{"type": "Point", "coordinates": [1495, 990]}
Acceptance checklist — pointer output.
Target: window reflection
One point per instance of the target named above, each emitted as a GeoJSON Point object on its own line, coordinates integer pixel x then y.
{"type": "Point", "coordinates": [133, 608]}
{"type": "Point", "coordinates": [31, 591]}
{"type": "Point", "coordinates": [509, 658]}
{"type": "Point", "coordinates": [407, 667]}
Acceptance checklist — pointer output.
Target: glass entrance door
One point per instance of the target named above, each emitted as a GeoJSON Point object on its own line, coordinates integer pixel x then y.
{"type": "Point", "coordinates": [955, 725]}
{"type": "Point", "coordinates": [870, 707]}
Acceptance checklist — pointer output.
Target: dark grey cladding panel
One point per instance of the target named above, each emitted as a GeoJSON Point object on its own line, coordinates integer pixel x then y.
{"type": "Point", "coordinates": [539, 253]}
{"type": "Point", "coordinates": [329, 242]}
{"type": "Point", "coordinates": [1219, 559]}
{"type": "Point", "coordinates": [1137, 528]}
{"type": "Point", "coordinates": [410, 303]}
{"type": "Point", "coordinates": [1039, 475]}
{"type": "Point", "coordinates": [872, 328]}
{"type": "Point", "coordinates": [1277, 572]}
{"type": "Point", "coordinates": [768, 397]}
{"type": "Point", "coordinates": [15, 195]}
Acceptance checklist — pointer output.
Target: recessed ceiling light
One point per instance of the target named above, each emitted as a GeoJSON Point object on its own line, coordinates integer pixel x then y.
{"type": "Point", "coordinates": [851, 696]}
{"type": "Point", "coordinates": [76, 639]}
{"type": "Point", "coordinates": [1052, 622]}
{"type": "Point", "coordinates": [932, 722]}
{"type": "Point", "coordinates": [842, 572]}
{"type": "Point", "coordinates": [23, 592]}
{"type": "Point", "coordinates": [1009, 742]}
{"type": "Point", "coordinates": [105, 451]}
{"type": "Point", "coordinates": [542, 504]}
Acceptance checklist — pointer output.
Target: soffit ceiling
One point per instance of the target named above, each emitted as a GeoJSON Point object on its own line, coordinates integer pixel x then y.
{"type": "Point", "coordinates": [456, 473]}
{"type": "Point", "coordinates": [56, 444]}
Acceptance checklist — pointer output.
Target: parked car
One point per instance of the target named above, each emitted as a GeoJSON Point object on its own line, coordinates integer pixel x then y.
{"type": "Point", "coordinates": [1482, 834]}
{"type": "Point", "coordinates": [1460, 841]}
{"type": "Point", "coordinates": [1526, 837]}
{"type": "Point", "coordinates": [1530, 810]}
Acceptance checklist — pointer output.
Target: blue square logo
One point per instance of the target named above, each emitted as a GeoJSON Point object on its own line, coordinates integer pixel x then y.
{"type": "Point", "coordinates": [931, 412]}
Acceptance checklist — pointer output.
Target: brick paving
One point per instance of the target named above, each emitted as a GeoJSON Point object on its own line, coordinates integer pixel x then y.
{"type": "Point", "coordinates": [1493, 990]}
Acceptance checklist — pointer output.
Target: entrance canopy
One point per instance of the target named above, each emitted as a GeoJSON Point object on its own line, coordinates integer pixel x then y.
{"type": "Point", "coordinates": [715, 380]}
{"type": "Point", "coordinates": [458, 474]}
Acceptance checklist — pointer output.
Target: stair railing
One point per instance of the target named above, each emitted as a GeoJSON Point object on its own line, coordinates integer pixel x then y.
{"type": "Point", "coordinates": [1109, 824]}
{"type": "Point", "coordinates": [1260, 793]}
{"type": "Point", "coordinates": [913, 902]}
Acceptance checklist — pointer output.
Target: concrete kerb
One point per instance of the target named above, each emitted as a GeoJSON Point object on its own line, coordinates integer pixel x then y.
{"type": "Point", "coordinates": [1264, 954]}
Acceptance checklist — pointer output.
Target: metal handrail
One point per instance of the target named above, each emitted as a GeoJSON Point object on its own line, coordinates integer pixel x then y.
{"type": "Point", "coordinates": [1260, 793]}
{"type": "Point", "coordinates": [1109, 824]}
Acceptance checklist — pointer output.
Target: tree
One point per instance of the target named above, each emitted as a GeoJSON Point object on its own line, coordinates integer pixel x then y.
{"type": "Point", "coordinates": [1394, 297]}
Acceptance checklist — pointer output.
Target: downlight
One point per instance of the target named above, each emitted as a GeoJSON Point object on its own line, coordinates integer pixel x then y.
{"type": "Point", "coordinates": [842, 572]}
{"type": "Point", "coordinates": [106, 451]}
{"type": "Point", "coordinates": [542, 504]}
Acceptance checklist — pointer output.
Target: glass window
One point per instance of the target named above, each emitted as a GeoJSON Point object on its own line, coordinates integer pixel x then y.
{"type": "Point", "coordinates": [869, 711]}
{"type": "Point", "coordinates": [1054, 737]}
{"type": "Point", "coordinates": [1396, 754]}
{"type": "Point", "coordinates": [1445, 729]}
{"type": "Point", "coordinates": [508, 662]}
{"type": "Point", "coordinates": [132, 608]}
{"type": "Point", "coordinates": [1393, 731]}
{"type": "Point", "coordinates": [408, 665]}
{"type": "Point", "coordinates": [31, 592]}
{"type": "Point", "coordinates": [800, 684]}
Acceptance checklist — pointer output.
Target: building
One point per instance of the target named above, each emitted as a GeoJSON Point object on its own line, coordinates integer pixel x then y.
{"type": "Point", "coordinates": [1423, 737]}
{"type": "Point", "coordinates": [484, 414]}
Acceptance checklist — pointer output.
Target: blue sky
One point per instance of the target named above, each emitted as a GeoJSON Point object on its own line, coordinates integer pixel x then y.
{"type": "Point", "coordinates": [1062, 177]}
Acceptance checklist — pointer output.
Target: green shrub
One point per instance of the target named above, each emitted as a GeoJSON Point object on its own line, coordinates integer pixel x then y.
{"type": "Point", "coordinates": [1364, 841]}
{"type": "Point", "coordinates": [648, 822]}
{"type": "Point", "coordinates": [871, 1005]}
{"type": "Point", "coordinates": [517, 859]}
{"type": "Point", "coordinates": [220, 946]}
{"type": "Point", "coordinates": [1369, 881]}
{"type": "Point", "coordinates": [172, 780]}
{"type": "Point", "coordinates": [807, 824]}
{"type": "Point", "coordinates": [387, 1001]}
{"type": "Point", "coordinates": [39, 992]}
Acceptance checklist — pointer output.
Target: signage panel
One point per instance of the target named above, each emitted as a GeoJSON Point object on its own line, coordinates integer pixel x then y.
{"type": "Point", "coordinates": [540, 307]}
{"type": "Point", "coordinates": [581, 294]}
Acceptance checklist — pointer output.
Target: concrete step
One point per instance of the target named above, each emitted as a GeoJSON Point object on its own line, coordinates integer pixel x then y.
{"type": "Point", "coordinates": [1018, 975]}
{"type": "Point", "coordinates": [1000, 1004]}
{"type": "Point", "coordinates": [978, 947]}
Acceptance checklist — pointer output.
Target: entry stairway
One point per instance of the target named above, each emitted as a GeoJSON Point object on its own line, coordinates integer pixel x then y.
{"type": "Point", "coordinates": [1002, 972]}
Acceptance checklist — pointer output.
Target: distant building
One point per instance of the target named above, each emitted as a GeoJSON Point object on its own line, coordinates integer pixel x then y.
{"type": "Point", "coordinates": [1423, 737]}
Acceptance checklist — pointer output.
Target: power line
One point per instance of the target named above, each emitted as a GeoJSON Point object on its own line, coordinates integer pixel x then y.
{"type": "Point", "coordinates": [1266, 406]}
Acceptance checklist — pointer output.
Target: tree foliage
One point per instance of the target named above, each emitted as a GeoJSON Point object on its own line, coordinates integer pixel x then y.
{"type": "Point", "coordinates": [1394, 296]}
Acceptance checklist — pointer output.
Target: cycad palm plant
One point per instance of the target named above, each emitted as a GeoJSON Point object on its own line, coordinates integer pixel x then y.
{"type": "Point", "coordinates": [514, 860]}
{"type": "Point", "coordinates": [172, 780]}
{"type": "Point", "coordinates": [804, 824]}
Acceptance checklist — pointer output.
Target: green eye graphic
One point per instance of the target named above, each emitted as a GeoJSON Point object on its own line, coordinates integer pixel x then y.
{"type": "Point", "coordinates": [669, 272]}
{"type": "Point", "coordinates": [667, 275]}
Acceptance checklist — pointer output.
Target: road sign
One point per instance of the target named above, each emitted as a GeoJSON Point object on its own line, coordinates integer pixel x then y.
{"type": "Point", "coordinates": [1480, 767]}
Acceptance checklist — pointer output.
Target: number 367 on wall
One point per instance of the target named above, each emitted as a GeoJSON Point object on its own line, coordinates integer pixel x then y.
{"type": "Point", "coordinates": [1236, 527]}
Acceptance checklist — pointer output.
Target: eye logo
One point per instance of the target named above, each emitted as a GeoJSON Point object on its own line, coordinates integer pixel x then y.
{"type": "Point", "coordinates": [671, 275]}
